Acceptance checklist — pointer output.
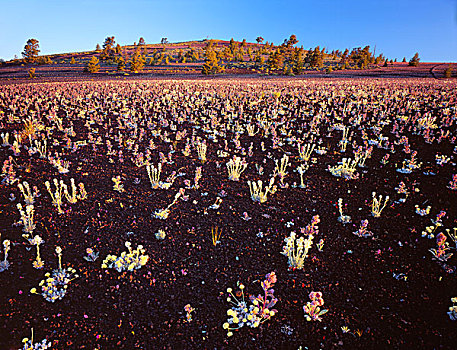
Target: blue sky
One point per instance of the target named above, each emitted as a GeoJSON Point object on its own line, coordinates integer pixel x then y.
{"type": "Point", "coordinates": [398, 28]}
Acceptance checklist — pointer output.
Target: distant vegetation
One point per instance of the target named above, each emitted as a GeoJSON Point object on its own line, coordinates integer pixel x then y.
{"type": "Point", "coordinates": [210, 57]}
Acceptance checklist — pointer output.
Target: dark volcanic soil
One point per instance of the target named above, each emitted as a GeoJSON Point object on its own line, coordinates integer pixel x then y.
{"type": "Point", "coordinates": [144, 309]}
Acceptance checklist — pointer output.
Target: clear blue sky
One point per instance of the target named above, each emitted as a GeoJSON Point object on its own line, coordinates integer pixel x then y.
{"type": "Point", "coordinates": [398, 28]}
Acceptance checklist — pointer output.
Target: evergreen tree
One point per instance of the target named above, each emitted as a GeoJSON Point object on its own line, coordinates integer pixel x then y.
{"type": "Point", "coordinates": [31, 50]}
{"type": "Point", "coordinates": [93, 66]}
{"type": "Point", "coordinates": [121, 64]}
{"type": "Point", "coordinates": [211, 65]}
{"type": "Point", "coordinates": [276, 60]}
{"type": "Point", "coordinates": [259, 40]}
{"type": "Point", "coordinates": [141, 41]}
{"type": "Point", "coordinates": [108, 51]}
{"type": "Point", "coordinates": [72, 61]}
{"type": "Point", "coordinates": [448, 72]}
{"type": "Point", "coordinates": [98, 48]}
{"type": "Point", "coordinates": [415, 60]}
{"type": "Point", "coordinates": [32, 73]}
{"type": "Point", "coordinates": [385, 63]}
{"type": "Point", "coordinates": [137, 62]}
{"type": "Point", "coordinates": [404, 60]}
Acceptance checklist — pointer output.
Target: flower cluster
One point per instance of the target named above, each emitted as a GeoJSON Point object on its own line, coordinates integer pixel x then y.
{"type": "Point", "coordinates": [254, 314]}
{"type": "Point", "coordinates": [312, 309]}
{"type": "Point", "coordinates": [453, 310]}
{"type": "Point", "coordinates": [54, 287]}
{"type": "Point", "coordinates": [296, 249]}
{"type": "Point", "coordinates": [188, 309]}
{"type": "Point", "coordinates": [127, 261]}
{"type": "Point", "coordinates": [30, 345]}
{"type": "Point", "coordinates": [440, 253]}
{"type": "Point", "coordinates": [91, 255]}
{"type": "Point", "coordinates": [363, 231]}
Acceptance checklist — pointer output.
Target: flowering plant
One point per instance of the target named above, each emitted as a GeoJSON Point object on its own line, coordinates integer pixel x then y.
{"type": "Point", "coordinates": [259, 311]}
{"type": "Point", "coordinates": [312, 309]}
{"type": "Point", "coordinates": [127, 261]}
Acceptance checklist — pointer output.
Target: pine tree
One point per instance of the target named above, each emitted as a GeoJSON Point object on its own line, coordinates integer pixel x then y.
{"type": "Point", "coordinates": [404, 60]}
{"type": "Point", "coordinates": [93, 66]}
{"type": "Point", "coordinates": [72, 61]}
{"type": "Point", "coordinates": [211, 65]}
{"type": "Point", "coordinates": [138, 62]}
{"type": "Point", "coordinates": [276, 60]}
{"type": "Point", "coordinates": [31, 50]}
{"type": "Point", "coordinates": [98, 48]}
{"type": "Point", "coordinates": [415, 60]}
{"type": "Point", "coordinates": [121, 64]}
{"type": "Point", "coordinates": [32, 73]}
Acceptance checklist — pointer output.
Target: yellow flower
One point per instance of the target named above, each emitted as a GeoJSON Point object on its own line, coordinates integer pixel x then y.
{"type": "Point", "coordinates": [250, 317]}
{"type": "Point", "coordinates": [241, 286]}
{"type": "Point", "coordinates": [235, 319]}
{"type": "Point", "coordinates": [225, 325]}
{"type": "Point", "coordinates": [229, 290]}
{"type": "Point", "coordinates": [33, 290]}
{"type": "Point", "coordinates": [229, 334]}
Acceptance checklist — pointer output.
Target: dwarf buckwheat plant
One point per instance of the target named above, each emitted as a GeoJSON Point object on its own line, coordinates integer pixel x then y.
{"type": "Point", "coordinates": [57, 195]}
{"type": "Point", "coordinates": [443, 246]}
{"type": "Point", "coordinates": [377, 206]}
{"type": "Point", "coordinates": [254, 314]}
{"type": "Point", "coordinates": [452, 313]}
{"type": "Point", "coordinates": [127, 261]}
{"type": "Point", "coordinates": [188, 309]}
{"type": "Point", "coordinates": [363, 231]}
{"type": "Point", "coordinates": [163, 213]}
{"type": "Point", "coordinates": [296, 249]}
{"type": "Point", "coordinates": [301, 170]}
{"type": "Point", "coordinates": [345, 169]}
{"type": "Point", "coordinates": [256, 190]}
{"type": "Point", "coordinates": [235, 167]}
{"type": "Point", "coordinates": [29, 195]}
{"type": "Point", "coordinates": [344, 219]}
{"type": "Point", "coordinates": [27, 217]}
{"type": "Point", "coordinates": [30, 345]}
{"type": "Point", "coordinates": [118, 186]}
{"type": "Point", "coordinates": [201, 150]}
{"type": "Point", "coordinates": [453, 183]}
{"type": "Point", "coordinates": [54, 287]}
{"type": "Point", "coordinates": [4, 264]}
{"type": "Point", "coordinates": [91, 255]}
{"type": "Point", "coordinates": [422, 212]}
{"type": "Point", "coordinates": [305, 151]}
{"type": "Point", "coordinates": [312, 309]}
{"type": "Point", "coordinates": [37, 240]}
{"type": "Point", "coordinates": [281, 167]}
